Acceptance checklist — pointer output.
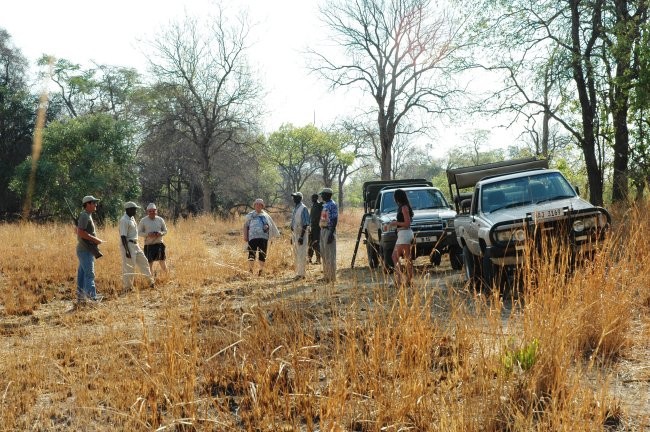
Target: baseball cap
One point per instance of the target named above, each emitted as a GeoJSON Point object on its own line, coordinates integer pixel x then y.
{"type": "Point", "coordinates": [326, 191]}
{"type": "Point", "coordinates": [299, 194]}
{"type": "Point", "coordinates": [89, 198]}
{"type": "Point", "coordinates": [151, 206]}
{"type": "Point", "coordinates": [130, 204]}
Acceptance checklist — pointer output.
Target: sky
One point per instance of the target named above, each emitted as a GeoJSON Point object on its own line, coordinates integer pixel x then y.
{"type": "Point", "coordinates": [114, 33]}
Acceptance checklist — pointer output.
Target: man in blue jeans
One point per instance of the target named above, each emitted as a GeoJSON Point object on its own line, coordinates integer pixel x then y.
{"type": "Point", "coordinates": [86, 290]}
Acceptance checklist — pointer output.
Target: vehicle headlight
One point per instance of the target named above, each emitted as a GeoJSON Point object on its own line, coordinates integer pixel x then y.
{"type": "Point", "coordinates": [579, 225]}
{"type": "Point", "coordinates": [450, 223]}
{"type": "Point", "coordinates": [517, 235]}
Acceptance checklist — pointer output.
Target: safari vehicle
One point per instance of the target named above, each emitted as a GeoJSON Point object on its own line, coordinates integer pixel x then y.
{"type": "Point", "coordinates": [516, 205]}
{"type": "Point", "coordinates": [432, 223]}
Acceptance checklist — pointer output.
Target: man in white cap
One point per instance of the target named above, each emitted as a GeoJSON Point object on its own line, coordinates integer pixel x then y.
{"type": "Point", "coordinates": [86, 252]}
{"type": "Point", "coordinates": [299, 240]}
{"type": "Point", "coordinates": [152, 227]}
{"type": "Point", "coordinates": [132, 255]}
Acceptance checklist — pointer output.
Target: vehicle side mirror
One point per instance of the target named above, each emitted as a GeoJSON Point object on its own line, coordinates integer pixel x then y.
{"type": "Point", "coordinates": [577, 189]}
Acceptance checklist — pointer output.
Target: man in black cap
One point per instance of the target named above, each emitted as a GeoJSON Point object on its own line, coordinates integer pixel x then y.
{"type": "Point", "coordinates": [314, 233]}
{"type": "Point", "coordinates": [299, 239]}
{"type": "Point", "coordinates": [132, 255]}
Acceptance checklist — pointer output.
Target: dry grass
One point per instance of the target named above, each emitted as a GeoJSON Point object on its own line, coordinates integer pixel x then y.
{"type": "Point", "coordinates": [213, 349]}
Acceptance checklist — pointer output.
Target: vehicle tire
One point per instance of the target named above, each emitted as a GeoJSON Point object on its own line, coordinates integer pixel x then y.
{"type": "Point", "coordinates": [387, 255]}
{"type": "Point", "coordinates": [456, 257]}
{"type": "Point", "coordinates": [373, 257]}
{"type": "Point", "coordinates": [472, 268]}
{"type": "Point", "coordinates": [435, 257]}
{"type": "Point", "coordinates": [492, 275]}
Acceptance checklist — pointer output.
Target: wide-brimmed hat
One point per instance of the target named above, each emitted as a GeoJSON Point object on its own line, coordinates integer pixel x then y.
{"type": "Point", "coordinates": [298, 194]}
{"type": "Point", "coordinates": [130, 204]}
{"type": "Point", "coordinates": [151, 206]}
{"type": "Point", "coordinates": [89, 198]}
{"type": "Point", "coordinates": [326, 191]}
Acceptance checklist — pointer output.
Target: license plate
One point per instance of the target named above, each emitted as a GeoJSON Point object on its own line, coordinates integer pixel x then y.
{"type": "Point", "coordinates": [546, 214]}
{"type": "Point", "coordinates": [426, 239]}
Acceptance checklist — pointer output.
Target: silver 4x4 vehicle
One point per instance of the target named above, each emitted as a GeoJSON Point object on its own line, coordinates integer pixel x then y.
{"type": "Point", "coordinates": [514, 203]}
{"type": "Point", "coordinates": [432, 222]}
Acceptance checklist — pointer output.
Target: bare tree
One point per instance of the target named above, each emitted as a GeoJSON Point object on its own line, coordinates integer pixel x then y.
{"type": "Point", "coordinates": [206, 89]}
{"type": "Point", "coordinates": [395, 51]}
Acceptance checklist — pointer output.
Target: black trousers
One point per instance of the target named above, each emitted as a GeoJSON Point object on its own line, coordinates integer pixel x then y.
{"type": "Point", "coordinates": [314, 243]}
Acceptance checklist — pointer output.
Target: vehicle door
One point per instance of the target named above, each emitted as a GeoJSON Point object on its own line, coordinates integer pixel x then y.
{"type": "Point", "coordinates": [474, 224]}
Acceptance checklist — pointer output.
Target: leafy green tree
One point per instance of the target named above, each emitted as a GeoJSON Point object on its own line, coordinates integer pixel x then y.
{"type": "Point", "coordinates": [293, 150]}
{"type": "Point", "coordinates": [100, 89]}
{"type": "Point", "coordinates": [17, 116]}
{"type": "Point", "coordinates": [85, 155]}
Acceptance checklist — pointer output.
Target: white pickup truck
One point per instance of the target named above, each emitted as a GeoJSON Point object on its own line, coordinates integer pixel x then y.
{"type": "Point", "coordinates": [514, 206]}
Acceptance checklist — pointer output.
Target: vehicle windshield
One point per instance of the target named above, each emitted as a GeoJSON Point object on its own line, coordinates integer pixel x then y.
{"type": "Point", "coordinates": [419, 199]}
{"type": "Point", "coordinates": [525, 190]}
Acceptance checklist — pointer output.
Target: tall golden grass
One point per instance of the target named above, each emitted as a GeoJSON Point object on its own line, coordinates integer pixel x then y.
{"type": "Point", "coordinates": [211, 348]}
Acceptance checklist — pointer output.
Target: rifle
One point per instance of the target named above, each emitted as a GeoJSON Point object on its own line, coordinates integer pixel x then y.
{"type": "Point", "coordinates": [92, 247]}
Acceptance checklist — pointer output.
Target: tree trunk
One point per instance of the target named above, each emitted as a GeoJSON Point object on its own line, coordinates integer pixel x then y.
{"type": "Point", "coordinates": [207, 192]}
{"type": "Point", "coordinates": [621, 151]}
{"type": "Point", "coordinates": [583, 77]}
{"type": "Point", "coordinates": [593, 172]}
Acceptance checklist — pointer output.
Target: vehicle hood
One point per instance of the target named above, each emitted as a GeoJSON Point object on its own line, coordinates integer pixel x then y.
{"type": "Point", "coordinates": [520, 212]}
{"type": "Point", "coordinates": [424, 215]}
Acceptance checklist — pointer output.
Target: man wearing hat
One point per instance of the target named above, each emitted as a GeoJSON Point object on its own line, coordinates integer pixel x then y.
{"type": "Point", "coordinates": [86, 290]}
{"type": "Point", "coordinates": [152, 227]}
{"type": "Point", "coordinates": [328, 221]}
{"type": "Point", "coordinates": [132, 255]}
{"type": "Point", "coordinates": [299, 240]}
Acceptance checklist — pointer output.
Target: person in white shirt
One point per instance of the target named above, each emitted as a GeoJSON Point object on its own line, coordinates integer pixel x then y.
{"type": "Point", "coordinates": [132, 255]}
{"type": "Point", "coordinates": [152, 227]}
{"type": "Point", "coordinates": [299, 234]}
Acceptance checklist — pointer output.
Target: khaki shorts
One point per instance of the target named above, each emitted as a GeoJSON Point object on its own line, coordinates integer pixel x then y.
{"type": "Point", "coordinates": [404, 237]}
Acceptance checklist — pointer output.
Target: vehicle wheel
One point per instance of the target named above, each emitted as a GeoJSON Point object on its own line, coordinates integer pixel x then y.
{"type": "Point", "coordinates": [435, 257]}
{"type": "Point", "coordinates": [492, 275]}
{"type": "Point", "coordinates": [456, 257]}
{"type": "Point", "coordinates": [373, 257]}
{"type": "Point", "coordinates": [387, 255]}
{"type": "Point", "coordinates": [471, 267]}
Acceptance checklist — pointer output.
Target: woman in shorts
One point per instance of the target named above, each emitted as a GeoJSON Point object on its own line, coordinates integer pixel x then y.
{"type": "Point", "coordinates": [404, 238]}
